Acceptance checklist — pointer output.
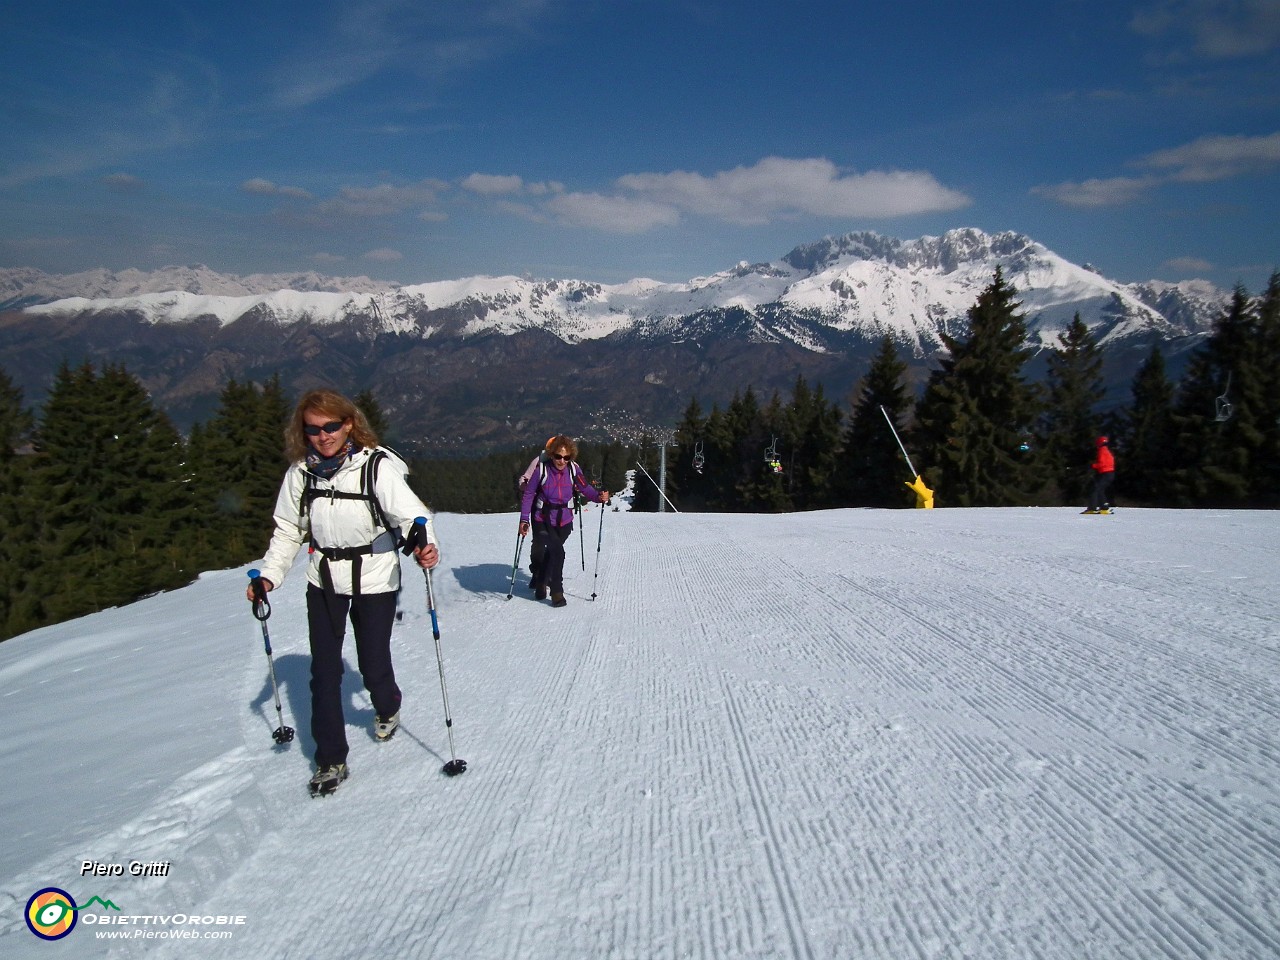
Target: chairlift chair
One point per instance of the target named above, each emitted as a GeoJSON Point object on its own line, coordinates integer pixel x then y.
{"type": "Point", "coordinates": [1222, 408]}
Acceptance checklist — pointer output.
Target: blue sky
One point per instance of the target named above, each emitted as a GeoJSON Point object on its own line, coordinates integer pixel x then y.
{"type": "Point", "coordinates": [413, 140]}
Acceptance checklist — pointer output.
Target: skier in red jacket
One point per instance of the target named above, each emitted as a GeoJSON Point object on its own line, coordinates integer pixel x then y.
{"type": "Point", "coordinates": [1104, 471]}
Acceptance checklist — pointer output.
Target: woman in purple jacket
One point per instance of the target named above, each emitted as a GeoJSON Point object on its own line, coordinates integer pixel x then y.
{"type": "Point", "coordinates": [548, 505]}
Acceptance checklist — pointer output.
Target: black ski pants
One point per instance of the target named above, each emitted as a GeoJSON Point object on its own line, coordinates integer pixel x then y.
{"type": "Point", "coordinates": [1100, 495]}
{"type": "Point", "coordinates": [549, 541]}
{"type": "Point", "coordinates": [372, 615]}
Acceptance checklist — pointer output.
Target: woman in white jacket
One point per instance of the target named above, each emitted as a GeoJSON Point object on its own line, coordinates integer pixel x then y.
{"type": "Point", "coordinates": [349, 500]}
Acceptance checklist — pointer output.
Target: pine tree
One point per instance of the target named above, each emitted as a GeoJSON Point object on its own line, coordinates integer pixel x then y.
{"type": "Point", "coordinates": [1071, 422]}
{"type": "Point", "coordinates": [1220, 433]}
{"type": "Point", "coordinates": [977, 407]}
{"type": "Point", "coordinates": [118, 508]}
{"type": "Point", "coordinates": [18, 507]}
{"type": "Point", "coordinates": [813, 427]}
{"type": "Point", "coordinates": [870, 466]}
{"type": "Point", "coordinates": [1266, 472]}
{"type": "Point", "coordinates": [237, 463]}
{"type": "Point", "coordinates": [373, 413]}
{"type": "Point", "coordinates": [1148, 434]}
{"type": "Point", "coordinates": [689, 480]}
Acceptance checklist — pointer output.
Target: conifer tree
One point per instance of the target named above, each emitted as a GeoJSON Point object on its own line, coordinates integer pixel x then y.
{"type": "Point", "coordinates": [870, 467]}
{"type": "Point", "coordinates": [1071, 422]}
{"type": "Point", "coordinates": [18, 507]}
{"type": "Point", "coordinates": [813, 427]}
{"type": "Point", "coordinates": [1218, 416]}
{"type": "Point", "coordinates": [1148, 435]}
{"type": "Point", "coordinates": [690, 481]}
{"type": "Point", "coordinates": [237, 463]}
{"type": "Point", "coordinates": [118, 508]}
{"type": "Point", "coordinates": [1266, 474]}
{"type": "Point", "coordinates": [373, 413]}
{"type": "Point", "coordinates": [977, 407]}
{"type": "Point", "coordinates": [763, 489]}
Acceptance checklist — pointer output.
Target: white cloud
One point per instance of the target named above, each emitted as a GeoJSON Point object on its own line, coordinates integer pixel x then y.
{"type": "Point", "coordinates": [384, 255]}
{"type": "Point", "coordinates": [777, 186]}
{"type": "Point", "coordinates": [383, 200]}
{"type": "Point", "coordinates": [1189, 265]}
{"type": "Point", "coordinates": [1114, 192]}
{"type": "Point", "coordinates": [1217, 158]}
{"type": "Point", "coordinates": [266, 188]}
{"type": "Point", "coordinates": [611, 214]}
{"type": "Point", "coordinates": [772, 188]}
{"type": "Point", "coordinates": [1219, 29]}
{"type": "Point", "coordinates": [1206, 160]}
{"type": "Point", "coordinates": [122, 182]}
{"type": "Point", "coordinates": [490, 185]}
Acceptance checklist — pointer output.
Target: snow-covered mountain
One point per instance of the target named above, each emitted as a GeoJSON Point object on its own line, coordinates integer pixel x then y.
{"type": "Point", "coordinates": [469, 362]}
{"type": "Point", "coordinates": [818, 296]}
{"type": "Point", "coordinates": [24, 286]}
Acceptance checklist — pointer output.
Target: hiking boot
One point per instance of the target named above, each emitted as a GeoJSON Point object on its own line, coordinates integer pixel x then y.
{"type": "Point", "coordinates": [384, 728]}
{"type": "Point", "coordinates": [541, 593]}
{"type": "Point", "coordinates": [558, 600]}
{"type": "Point", "coordinates": [328, 778]}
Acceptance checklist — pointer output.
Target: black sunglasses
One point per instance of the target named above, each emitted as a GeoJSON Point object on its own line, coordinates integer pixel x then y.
{"type": "Point", "coordinates": [559, 456]}
{"type": "Point", "coordinates": [333, 426]}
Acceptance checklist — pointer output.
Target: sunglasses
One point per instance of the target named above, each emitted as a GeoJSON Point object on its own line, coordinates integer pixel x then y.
{"type": "Point", "coordinates": [333, 426]}
{"type": "Point", "coordinates": [559, 456]}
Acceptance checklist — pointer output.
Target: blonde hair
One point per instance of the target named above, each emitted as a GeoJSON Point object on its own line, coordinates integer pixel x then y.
{"type": "Point", "coordinates": [560, 440]}
{"type": "Point", "coordinates": [327, 403]}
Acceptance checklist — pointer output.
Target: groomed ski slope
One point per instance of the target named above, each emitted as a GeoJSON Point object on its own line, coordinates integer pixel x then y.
{"type": "Point", "coordinates": [1011, 734]}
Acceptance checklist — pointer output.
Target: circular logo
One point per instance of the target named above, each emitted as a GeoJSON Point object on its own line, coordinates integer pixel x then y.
{"type": "Point", "coordinates": [51, 913]}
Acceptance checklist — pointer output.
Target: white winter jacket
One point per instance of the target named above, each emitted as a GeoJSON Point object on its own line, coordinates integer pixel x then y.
{"type": "Point", "coordinates": [338, 523]}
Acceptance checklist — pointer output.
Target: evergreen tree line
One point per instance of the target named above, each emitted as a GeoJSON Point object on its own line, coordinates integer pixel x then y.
{"type": "Point", "coordinates": [982, 433]}
{"type": "Point", "coordinates": [103, 501]}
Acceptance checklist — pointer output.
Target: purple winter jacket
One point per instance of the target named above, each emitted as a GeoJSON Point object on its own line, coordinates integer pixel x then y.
{"type": "Point", "coordinates": [551, 497]}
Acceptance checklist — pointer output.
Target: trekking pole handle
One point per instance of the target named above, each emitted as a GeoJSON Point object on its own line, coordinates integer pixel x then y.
{"type": "Point", "coordinates": [261, 606]}
{"type": "Point", "coordinates": [417, 536]}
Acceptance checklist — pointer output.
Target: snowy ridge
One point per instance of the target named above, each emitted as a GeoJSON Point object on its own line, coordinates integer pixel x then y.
{"type": "Point", "coordinates": [859, 284]}
{"type": "Point", "coordinates": [823, 741]}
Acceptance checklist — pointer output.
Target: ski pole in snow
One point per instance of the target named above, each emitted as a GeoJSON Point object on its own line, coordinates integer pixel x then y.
{"type": "Point", "coordinates": [515, 563]}
{"type": "Point", "coordinates": [599, 540]}
{"type": "Point", "coordinates": [417, 537]}
{"type": "Point", "coordinates": [261, 611]}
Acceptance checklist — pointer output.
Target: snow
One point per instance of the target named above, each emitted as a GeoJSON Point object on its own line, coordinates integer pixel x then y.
{"type": "Point", "coordinates": [856, 733]}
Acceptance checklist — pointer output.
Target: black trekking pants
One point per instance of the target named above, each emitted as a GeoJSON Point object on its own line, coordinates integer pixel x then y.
{"type": "Point", "coordinates": [1100, 495]}
{"type": "Point", "coordinates": [372, 615]}
{"type": "Point", "coordinates": [549, 540]}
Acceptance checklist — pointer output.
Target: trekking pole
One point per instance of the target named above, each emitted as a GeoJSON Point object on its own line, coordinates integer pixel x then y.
{"type": "Point", "coordinates": [261, 611]}
{"type": "Point", "coordinates": [599, 539]}
{"type": "Point", "coordinates": [419, 537]}
{"type": "Point", "coordinates": [582, 549]}
{"type": "Point", "coordinates": [515, 563]}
